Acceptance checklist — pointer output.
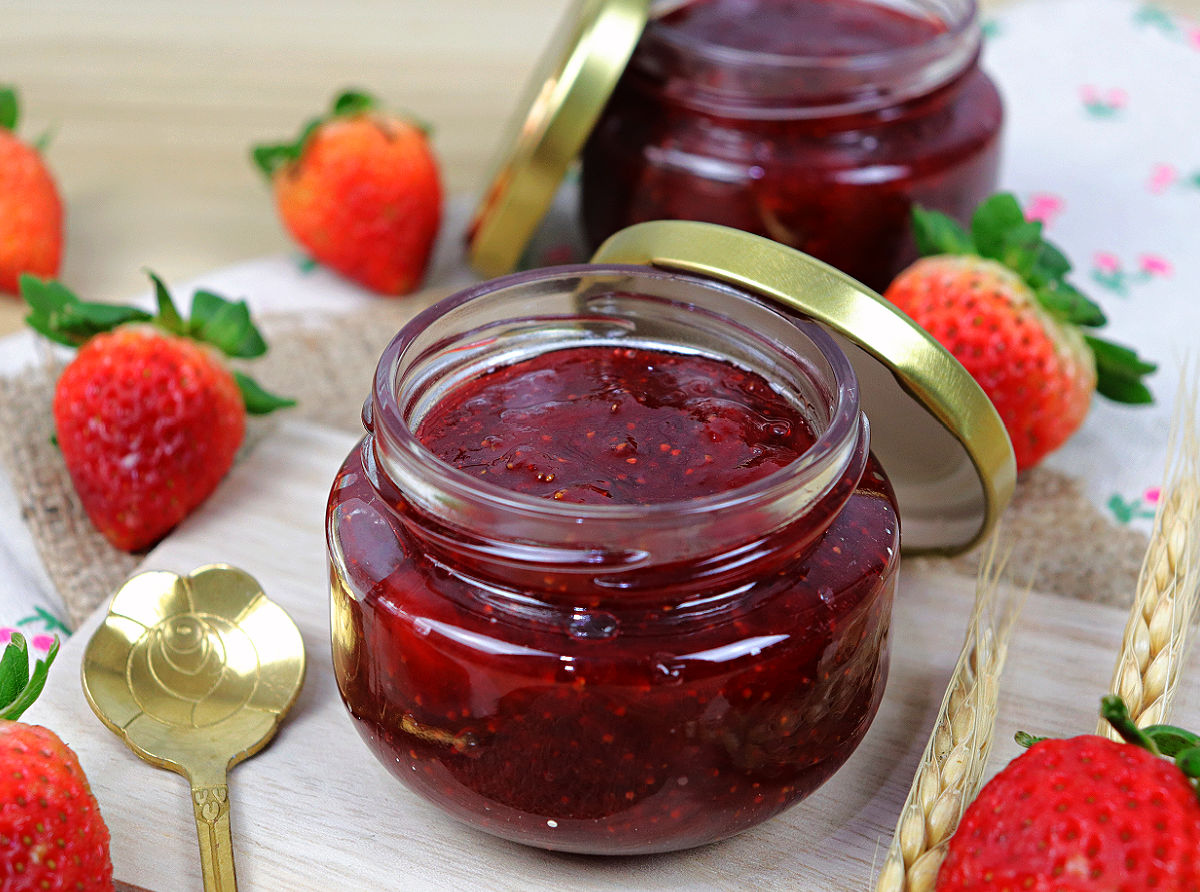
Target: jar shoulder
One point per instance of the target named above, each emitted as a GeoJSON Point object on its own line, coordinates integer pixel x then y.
{"type": "Point", "coordinates": [384, 569]}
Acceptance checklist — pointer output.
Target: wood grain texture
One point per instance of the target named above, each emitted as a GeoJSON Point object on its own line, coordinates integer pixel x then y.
{"type": "Point", "coordinates": [316, 811]}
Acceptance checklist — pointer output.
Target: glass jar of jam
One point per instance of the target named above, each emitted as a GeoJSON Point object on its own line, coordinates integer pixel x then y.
{"type": "Point", "coordinates": [612, 568]}
{"type": "Point", "coordinates": [817, 123]}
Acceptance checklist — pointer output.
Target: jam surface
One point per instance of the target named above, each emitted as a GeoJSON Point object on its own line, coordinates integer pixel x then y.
{"type": "Point", "coordinates": [609, 726]}
{"type": "Point", "coordinates": [595, 425]}
{"type": "Point", "coordinates": [769, 151]}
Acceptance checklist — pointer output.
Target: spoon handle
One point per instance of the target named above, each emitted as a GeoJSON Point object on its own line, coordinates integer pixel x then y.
{"type": "Point", "coordinates": [211, 805]}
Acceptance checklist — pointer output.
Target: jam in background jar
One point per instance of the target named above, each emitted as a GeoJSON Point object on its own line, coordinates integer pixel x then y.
{"type": "Point", "coordinates": [612, 569]}
{"type": "Point", "coordinates": [817, 123]}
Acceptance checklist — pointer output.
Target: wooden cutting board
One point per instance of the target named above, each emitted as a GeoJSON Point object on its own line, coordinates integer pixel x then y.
{"type": "Point", "coordinates": [316, 811]}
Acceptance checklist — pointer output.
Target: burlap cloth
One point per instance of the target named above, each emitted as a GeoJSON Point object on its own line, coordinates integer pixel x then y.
{"type": "Point", "coordinates": [328, 364]}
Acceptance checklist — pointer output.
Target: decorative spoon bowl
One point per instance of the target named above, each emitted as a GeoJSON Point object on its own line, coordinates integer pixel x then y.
{"type": "Point", "coordinates": [194, 673]}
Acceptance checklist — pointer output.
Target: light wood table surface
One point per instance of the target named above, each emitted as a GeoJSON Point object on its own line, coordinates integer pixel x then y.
{"type": "Point", "coordinates": [154, 106]}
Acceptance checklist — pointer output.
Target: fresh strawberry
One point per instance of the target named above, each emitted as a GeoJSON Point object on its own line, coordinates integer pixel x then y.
{"type": "Point", "coordinates": [360, 191]}
{"type": "Point", "coordinates": [148, 415]}
{"type": "Point", "coordinates": [31, 215]}
{"type": "Point", "coordinates": [51, 833]}
{"type": "Point", "coordinates": [1086, 814]}
{"type": "Point", "coordinates": [997, 299]}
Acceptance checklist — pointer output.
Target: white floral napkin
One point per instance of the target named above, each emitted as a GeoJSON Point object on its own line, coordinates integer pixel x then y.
{"type": "Point", "coordinates": [1103, 145]}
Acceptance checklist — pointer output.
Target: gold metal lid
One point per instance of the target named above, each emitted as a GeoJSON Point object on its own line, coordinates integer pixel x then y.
{"type": "Point", "coordinates": [933, 428]}
{"type": "Point", "coordinates": [567, 93]}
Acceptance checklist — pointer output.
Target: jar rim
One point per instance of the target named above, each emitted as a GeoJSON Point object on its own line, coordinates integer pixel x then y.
{"type": "Point", "coordinates": [831, 446]}
{"type": "Point", "coordinates": [960, 23]}
{"type": "Point", "coordinates": [737, 82]}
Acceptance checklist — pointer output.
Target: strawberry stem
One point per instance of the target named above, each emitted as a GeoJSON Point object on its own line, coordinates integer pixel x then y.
{"type": "Point", "coordinates": [1026, 740]}
{"type": "Point", "coordinates": [1113, 710]}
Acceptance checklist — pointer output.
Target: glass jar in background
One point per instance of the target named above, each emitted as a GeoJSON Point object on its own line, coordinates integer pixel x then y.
{"type": "Point", "coordinates": [817, 123]}
{"type": "Point", "coordinates": [611, 678]}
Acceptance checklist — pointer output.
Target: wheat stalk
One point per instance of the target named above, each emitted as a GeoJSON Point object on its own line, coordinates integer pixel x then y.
{"type": "Point", "coordinates": [951, 769]}
{"type": "Point", "coordinates": [1168, 589]}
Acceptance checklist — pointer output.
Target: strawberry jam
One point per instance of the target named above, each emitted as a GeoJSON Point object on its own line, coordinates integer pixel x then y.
{"type": "Point", "coordinates": [594, 425]}
{"type": "Point", "coordinates": [608, 597]}
{"type": "Point", "coordinates": [817, 123]}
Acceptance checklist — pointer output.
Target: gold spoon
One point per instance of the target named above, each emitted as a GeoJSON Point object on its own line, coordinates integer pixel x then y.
{"type": "Point", "coordinates": [194, 673]}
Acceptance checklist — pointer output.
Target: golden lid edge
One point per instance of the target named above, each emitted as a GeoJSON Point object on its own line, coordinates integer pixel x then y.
{"type": "Point", "coordinates": [572, 85]}
{"type": "Point", "coordinates": [921, 366]}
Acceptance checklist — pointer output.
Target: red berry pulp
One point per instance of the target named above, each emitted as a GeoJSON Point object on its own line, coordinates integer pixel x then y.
{"type": "Point", "coordinates": [632, 426]}
{"type": "Point", "coordinates": [817, 123]}
{"type": "Point", "coordinates": [633, 719]}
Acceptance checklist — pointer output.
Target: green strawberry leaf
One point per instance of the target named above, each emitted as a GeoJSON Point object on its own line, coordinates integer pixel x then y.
{"type": "Point", "coordinates": [226, 325]}
{"type": "Point", "coordinates": [353, 102]}
{"type": "Point", "coordinates": [87, 319]}
{"type": "Point", "coordinates": [1049, 265]}
{"type": "Point", "coordinates": [270, 157]}
{"type": "Point", "coordinates": [29, 692]}
{"type": "Point", "coordinates": [992, 223]}
{"type": "Point", "coordinates": [1171, 740]}
{"type": "Point", "coordinates": [936, 233]}
{"type": "Point", "coordinates": [1119, 372]}
{"type": "Point", "coordinates": [357, 102]}
{"type": "Point", "coordinates": [168, 314]}
{"type": "Point", "coordinates": [1000, 231]}
{"type": "Point", "coordinates": [43, 140]}
{"type": "Point", "coordinates": [46, 300]}
{"type": "Point", "coordinates": [14, 669]}
{"type": "Point", "coordinates": [58, 314]}
{"type": "Point", "coordinates": [1019, 250]}
{"type": "Point", "coordinates": [258, 400]}
{"type": "Point", "coordinates": [9, 109]}
{"type": "Point", "coordinates": [1189, 762]}
{"type": "Point", "coordinates": [1068, 304]}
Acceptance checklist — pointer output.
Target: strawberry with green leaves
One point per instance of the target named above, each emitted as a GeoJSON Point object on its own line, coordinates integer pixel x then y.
{"type": "Point", "coordinates": [148, 415]}
{"type": "Point", "coordinates": [31, 214]}
{"type": "Point", "coordinates": [360, 191]}
{"type": "Point", "coordinates": [1086, 814]}
{"type": "Point", "coordinates": [52, 835]}
{"type": "Point", "coordinates": [997, 298]}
